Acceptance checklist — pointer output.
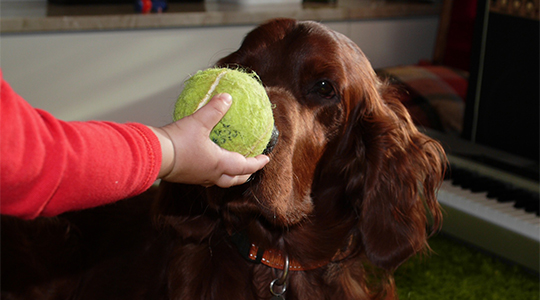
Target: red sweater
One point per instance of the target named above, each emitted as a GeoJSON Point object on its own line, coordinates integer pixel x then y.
{"type": "Point", "coordinates": [49, 166]}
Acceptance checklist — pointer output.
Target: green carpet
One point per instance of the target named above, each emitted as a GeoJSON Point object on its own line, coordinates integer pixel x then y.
{"type": "Point", "coordinates": [455, 271]}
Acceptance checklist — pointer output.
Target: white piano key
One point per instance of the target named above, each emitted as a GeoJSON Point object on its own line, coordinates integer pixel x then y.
{"type": "Point", "coordinates": [503, 207]}
{"type": "Point", "coordinates": [502, 214]}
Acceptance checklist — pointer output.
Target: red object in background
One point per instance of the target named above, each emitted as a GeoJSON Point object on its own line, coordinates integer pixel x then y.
{"type": "Point", "coordinates": [460, 34]}
{"type": "Point", "coordinates": [150, 6]}
{"type": "Point", "coordinates": [146, 6]}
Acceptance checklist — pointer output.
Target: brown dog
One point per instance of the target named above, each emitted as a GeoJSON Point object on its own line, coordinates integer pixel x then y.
{"type": "Point", "coordinates": [345, 199]}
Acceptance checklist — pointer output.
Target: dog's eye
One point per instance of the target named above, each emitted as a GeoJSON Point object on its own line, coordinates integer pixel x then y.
{"type": "Point", "coordinates": [325, 89]}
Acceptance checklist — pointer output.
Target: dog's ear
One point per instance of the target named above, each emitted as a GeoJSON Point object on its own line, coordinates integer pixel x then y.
{"type": "Point", "coordinates": [391, 172]}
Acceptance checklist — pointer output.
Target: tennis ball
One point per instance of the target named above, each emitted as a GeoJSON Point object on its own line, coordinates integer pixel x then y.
{"type": "Point", "coordinates": [247, 127]}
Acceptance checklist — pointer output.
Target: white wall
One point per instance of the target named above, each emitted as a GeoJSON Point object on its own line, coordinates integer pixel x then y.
{"type": "Point", "coordinates": [392, 42]}
{"type": "Point", "coordinates": [137, 75]}
{"type": "Point", "coordinates": [117, 75]}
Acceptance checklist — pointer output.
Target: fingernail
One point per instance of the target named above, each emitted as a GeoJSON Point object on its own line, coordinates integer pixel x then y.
{"type": "Point", "coordinates": [227, 98]}
{"type": "Point", "coordinates": [266, 159]}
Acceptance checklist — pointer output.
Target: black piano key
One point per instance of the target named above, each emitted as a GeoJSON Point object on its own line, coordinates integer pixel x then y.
{"type": "Point", "coordinates": [459, 176]}
{"type": "Point", "coordinates": [499, 190]}
{"type": "Point", "coordinates": [474, 182]}
{"type": "Point", "coordinates": [464, 178]}
{"type": "Point", "coordinates": [522, 198]}
{"type": "Point", "coordinates": [484, 185]}
{"type": "Point", "coordinates": [470, 181]}
{"type": "Point", "coordinates": [508, 195]}
{"type": "Point", "coordinates": [533, 206]}
{"type": "Point", "coordinates": [528, 201]}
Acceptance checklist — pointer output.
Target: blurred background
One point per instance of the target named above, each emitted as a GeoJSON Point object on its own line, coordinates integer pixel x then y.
{"type": "Point", "coordinates": [107, 61]}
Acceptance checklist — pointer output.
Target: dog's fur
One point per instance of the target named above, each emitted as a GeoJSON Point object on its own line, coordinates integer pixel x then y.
{"type": "Point", "coordinates": [350, 188]}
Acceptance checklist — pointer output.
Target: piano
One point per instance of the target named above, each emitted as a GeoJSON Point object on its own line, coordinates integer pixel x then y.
{"type": "Point", "coordinates": [495, 209]}
{"type": "Point", "coordinates": [490, 197]}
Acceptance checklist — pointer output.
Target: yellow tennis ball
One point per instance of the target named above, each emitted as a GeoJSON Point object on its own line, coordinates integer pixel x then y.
{"type": "Point", "coordinates": [247, 127]}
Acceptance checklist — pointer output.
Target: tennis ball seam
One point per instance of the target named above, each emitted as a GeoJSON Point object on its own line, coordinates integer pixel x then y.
{"type": "Point", "coordinates": [213, 87]}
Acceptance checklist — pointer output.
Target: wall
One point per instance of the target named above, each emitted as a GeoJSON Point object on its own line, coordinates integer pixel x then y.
{"type": "Point", "coordinates": [137, 75]}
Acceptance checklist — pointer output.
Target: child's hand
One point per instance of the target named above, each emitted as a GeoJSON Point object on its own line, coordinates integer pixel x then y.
{"type": "Point", "coordinates": [189, 156]}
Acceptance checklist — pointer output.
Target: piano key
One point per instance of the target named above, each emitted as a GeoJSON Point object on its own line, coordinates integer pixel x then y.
{"type": "Point", "coordinates": [503, 213]}
{"type": "Point", "coordinates": [476, 183]}
{"type": "Point", "coordinates": [528, 202]}
{"type": "Point", "coordinates": [460, 176]}
{"type": "Point", "coordinates": [507, 207]}
{"type": "Point", "coordinates": [476, 216]}
{"type": "Point", "coordinates": [503, 192]}
{"type": "Point", "coordinates": [508, 195]}
{"type": "Point", "coordinates": [496, 227]}
{"type": "Point", "coordinates": [483, 184]}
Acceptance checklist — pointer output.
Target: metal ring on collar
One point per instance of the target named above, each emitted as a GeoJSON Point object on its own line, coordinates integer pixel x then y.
{"type": "Point", "coordinates": [281, 281]}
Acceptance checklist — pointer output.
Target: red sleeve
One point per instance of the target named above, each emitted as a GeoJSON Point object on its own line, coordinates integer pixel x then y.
{"type": "Point", "coordinates": [50, 166]}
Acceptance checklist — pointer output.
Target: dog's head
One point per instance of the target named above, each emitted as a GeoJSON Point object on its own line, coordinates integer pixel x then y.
{"type": "Point", "coordinates": [348, 160]}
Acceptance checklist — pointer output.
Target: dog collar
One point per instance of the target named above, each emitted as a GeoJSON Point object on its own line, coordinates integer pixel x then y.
{"type": "Point", "coordinates": [275, 258]}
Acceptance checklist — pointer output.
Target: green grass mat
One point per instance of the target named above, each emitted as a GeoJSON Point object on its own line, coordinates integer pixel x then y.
{"type": "Point", "coordinates": [455, 271]}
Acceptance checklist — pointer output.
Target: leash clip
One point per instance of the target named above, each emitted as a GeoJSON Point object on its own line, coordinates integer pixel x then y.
{"type": "Point", "coordinates": [281, 281]}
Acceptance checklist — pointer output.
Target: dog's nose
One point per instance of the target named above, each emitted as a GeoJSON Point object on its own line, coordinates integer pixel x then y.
{"type": "Point", "coordinates": [273, 141]}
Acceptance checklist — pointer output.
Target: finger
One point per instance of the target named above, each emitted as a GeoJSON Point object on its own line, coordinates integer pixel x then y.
{"type": "Point", "coordinates": [240, 171]}
{"type": "Point", "coordinates": [210, 114]}
{"type": "Point", "coordinates": [235, 164]}
{"type": "Point", "coordinates": [253, 164]}
{"type": "Point", "coordinates": [226, 181]}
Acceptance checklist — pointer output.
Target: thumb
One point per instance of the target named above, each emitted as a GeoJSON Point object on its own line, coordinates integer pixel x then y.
{"type": "Point", "coordinates": [210, 114]}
